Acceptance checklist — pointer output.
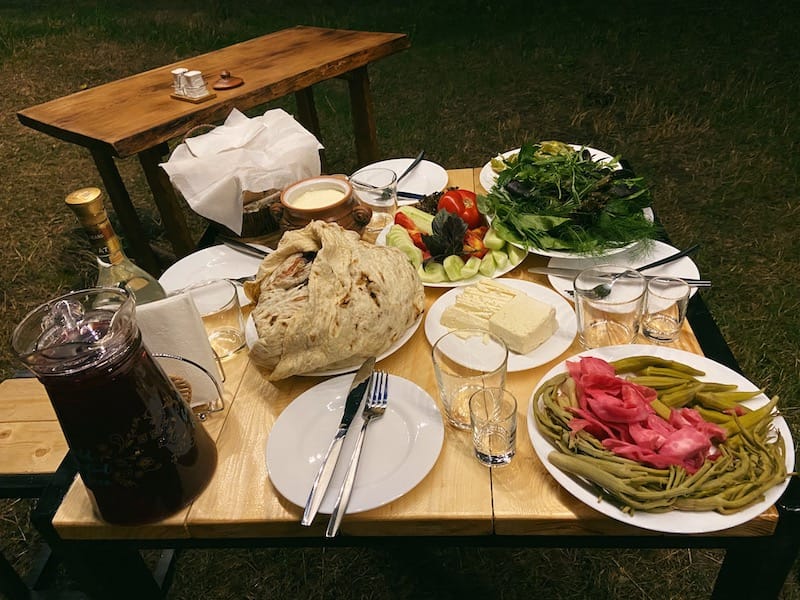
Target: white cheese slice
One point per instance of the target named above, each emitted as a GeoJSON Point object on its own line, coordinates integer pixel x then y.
{"type": "Point", "coordinates": [456, 317]}
{"type": "Point", "coordinates": [524, 323]}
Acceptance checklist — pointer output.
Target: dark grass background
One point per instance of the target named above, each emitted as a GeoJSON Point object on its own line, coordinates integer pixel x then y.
{"type": "Point", "coordinates": [700, 97]}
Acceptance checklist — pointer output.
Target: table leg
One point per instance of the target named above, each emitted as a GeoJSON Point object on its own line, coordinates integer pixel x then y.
{"type": "Point", "coordinates": [108, 570]}
{"type": "Point", "coordinates": [307, 116]}
{"type": "Point", "coordinates": [758, 568]}
{"type": "Point", "coordinates": [11, 584]}
{"type": "Point", "coordinates": [363, 116]}
{"type": "Point", "coordinates": [166, 200]}
{"type": "Point", "coordinates": [131, 225]}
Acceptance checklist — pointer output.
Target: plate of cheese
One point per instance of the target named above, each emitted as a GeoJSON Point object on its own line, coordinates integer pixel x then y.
{"type": "Point", "coordinates": [535, 322]}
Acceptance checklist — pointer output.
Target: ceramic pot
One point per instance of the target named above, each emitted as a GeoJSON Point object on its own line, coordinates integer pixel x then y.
{"type": "Point", "coordinates": [325, 198]}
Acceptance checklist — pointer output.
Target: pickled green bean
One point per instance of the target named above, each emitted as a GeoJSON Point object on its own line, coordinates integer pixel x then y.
{"type": "Point", "coordinates": [750, 461]}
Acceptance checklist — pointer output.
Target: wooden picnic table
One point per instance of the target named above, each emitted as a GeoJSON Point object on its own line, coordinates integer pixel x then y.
{"type": "Point", "coordinates": [137, 115]}
{"type": "Point", "coordinates": [459, 499]}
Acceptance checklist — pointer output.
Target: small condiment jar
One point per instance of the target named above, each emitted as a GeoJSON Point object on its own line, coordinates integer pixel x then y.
{"type": "Point", "coordinates": [326, 198]}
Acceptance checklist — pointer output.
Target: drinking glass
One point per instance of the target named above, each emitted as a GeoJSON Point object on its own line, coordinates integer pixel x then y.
{"type": "Point", "coordinates": [376, 188]}
{"type": "Point", "coordinates": [466, 361]}
{"type": "Point", "coordinates": [613, 316]}
{"type": "Point", "coordinates": [217, 302]}
{"type": "Point", "coordinates": [665, 308]}
{"type": "Point", "coordinates": [493, 416]}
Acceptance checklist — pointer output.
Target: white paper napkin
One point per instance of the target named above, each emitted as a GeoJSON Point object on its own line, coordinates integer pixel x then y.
{"type": "Point", "coordinates": [268, 152]}
{"type": "Point", "coordinates": [173, 326]}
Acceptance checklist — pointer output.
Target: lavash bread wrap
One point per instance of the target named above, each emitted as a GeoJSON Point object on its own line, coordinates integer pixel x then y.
{"type": "Point", "coordinates": [326, 300]}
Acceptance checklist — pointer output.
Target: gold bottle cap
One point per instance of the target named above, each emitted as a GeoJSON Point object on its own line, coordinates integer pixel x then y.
{"type": "Point", "coordinates": [87, 203]}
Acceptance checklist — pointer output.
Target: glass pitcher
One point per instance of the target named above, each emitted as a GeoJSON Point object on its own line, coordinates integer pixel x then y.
{"type": "Point", "coordinates": [140, 450]}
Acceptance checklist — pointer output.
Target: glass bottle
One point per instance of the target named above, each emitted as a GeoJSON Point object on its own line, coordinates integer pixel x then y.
{"type": "Point", "coordinates": [115, 269]}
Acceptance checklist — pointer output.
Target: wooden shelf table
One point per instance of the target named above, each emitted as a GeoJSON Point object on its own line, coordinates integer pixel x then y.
{"type": "Point", "coordinates": [137, 116]}
{"type": "Point", "coordinates": [459, 501]}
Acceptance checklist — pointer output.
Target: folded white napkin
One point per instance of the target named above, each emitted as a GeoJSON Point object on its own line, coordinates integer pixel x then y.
{"type": "Point", "coordinates": [173, 326]}
{"type": "Point", "coordinates": [263, 153]}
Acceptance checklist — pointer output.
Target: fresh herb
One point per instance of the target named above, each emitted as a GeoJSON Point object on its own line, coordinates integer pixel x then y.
{"type": "Point", "coordinates": [430, 203]}
{"type": "Point", "coordinates": [552, 197]}
{"type": "Point", "coordinates": [448, 235]}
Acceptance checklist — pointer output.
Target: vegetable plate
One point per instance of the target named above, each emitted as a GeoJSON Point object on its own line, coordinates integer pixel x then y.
{"type": "Point", "coordinates": [449, 242]}
{"type": "Point", "coordinates": [557, 199]}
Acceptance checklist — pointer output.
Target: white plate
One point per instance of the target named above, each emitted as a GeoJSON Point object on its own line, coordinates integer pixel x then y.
{"type": "Point", "coordinates": [381, 241]}
{"type": "Point", "coordinates": [216, 262]}
{"type": "Point", "coordinates": [488, 176]}
{"type": "Point", "coordinates": [639, 254]}
{"type": "Point", "coordinates": [552, 348]}
{"type": "Point", "coordinates": [251, 336]}
{"type": "Point", "coordinates": [674, 521]}
{"type": "Point", "coordinates": [426, 178]}
{"type": "Point", "coordinates": [400, 448]}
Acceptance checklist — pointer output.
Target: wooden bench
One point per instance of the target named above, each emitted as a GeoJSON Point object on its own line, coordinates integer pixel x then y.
{"type": "Point", "coordinates": [32, 447]}
{"type": "Point", "coordinates": [137, 116]}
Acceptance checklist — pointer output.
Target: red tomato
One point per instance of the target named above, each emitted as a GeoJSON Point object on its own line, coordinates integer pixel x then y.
{"type": "Point", "coordinates": [462, 203]}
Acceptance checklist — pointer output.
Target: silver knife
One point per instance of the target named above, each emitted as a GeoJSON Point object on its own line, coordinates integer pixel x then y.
{"type": "Point", "coordinates": [247, 248]}
{"type": "Point", "coordinates": [354, 397]}
{"type": "Point", "coordinates": [571, 273]}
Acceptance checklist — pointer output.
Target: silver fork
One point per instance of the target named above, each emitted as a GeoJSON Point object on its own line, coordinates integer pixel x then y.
{"type": "Point", "coordinates": [373, 409]}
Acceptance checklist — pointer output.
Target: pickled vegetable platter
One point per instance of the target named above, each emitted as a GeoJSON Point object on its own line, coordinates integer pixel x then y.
{"type": "Point", "coordinates": [712, 452]}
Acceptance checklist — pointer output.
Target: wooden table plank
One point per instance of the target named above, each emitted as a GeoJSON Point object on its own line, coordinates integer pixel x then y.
{"type": "Point", "coordinates": [24, 399]}
{"type": "Point", "coordinates": [31, 441]}
{"type": "Point", "coordinates": [458, 497]}
{"type": "Point", "coordinates": [137, 112]}
{"type": "Point", "coordinates": [455, 498]}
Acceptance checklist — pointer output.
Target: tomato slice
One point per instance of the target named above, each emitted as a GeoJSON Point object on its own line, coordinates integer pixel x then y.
{"type": "Point", "coordinates": [408, 224]}
{"type": "Point", "coordinates": [462, 203]}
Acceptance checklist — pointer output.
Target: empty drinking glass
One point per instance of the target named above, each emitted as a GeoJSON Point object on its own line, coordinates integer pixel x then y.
{"type": "Point", "coordinates": [493, 416]}
{"type": "Point", "coordinates": [465, 361]}
{"type": "Point", "coordinates": [665, 308]}
{"type": "Point", "coordinates": [608, 304]}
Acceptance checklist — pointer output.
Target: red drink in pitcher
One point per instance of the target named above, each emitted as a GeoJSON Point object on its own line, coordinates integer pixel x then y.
{"type": "Point", "coordinates": [140, 449]}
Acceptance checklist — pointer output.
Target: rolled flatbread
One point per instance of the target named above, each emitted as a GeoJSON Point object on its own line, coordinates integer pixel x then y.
{"type": "Point", "coordinates": [326, 300]}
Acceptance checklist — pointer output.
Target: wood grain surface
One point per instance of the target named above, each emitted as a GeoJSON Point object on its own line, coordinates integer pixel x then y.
{"type": "Point", "coordinates": [458, 497]}
{"type": "Point", "coordinates": [135, 113]}
{"type": "Point", "coordinates": [31, 441]}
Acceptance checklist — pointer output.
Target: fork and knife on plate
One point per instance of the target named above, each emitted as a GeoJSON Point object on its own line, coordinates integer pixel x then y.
{"type": "Point", "coordinates": [572, 272]}
{"type": "Point", "coordinates": [374, 386]}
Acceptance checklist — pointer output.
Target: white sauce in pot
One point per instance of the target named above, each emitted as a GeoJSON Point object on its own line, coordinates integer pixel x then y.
{"type": "Point", "coordinates": [319, 198]}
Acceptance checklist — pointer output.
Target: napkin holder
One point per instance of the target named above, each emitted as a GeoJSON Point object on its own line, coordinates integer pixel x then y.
{"type": "Point", "coordinates": [173, 332]}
